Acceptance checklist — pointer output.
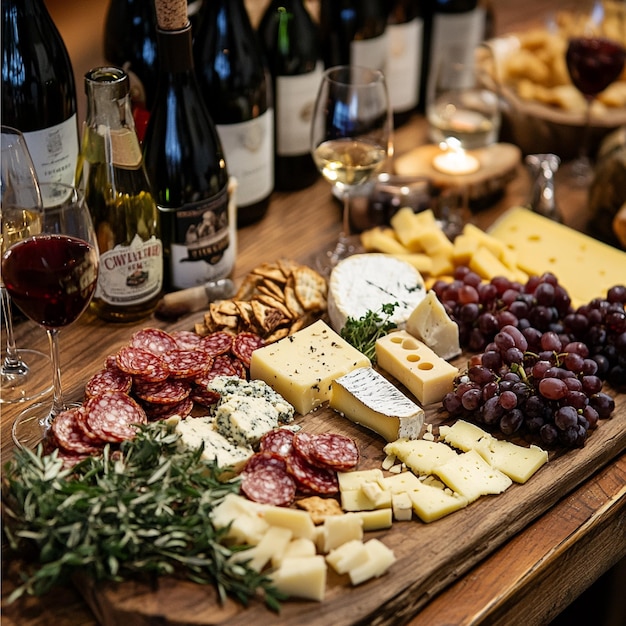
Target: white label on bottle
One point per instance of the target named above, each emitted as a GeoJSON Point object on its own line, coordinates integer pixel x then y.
{"type": "Point", "coordinates": [54, 152]}
{"type": "Point", "coordinates": [125, 148]}
{"type": "Point", "coordinates": [455, 37]}
{"type": "Point", "coordinates": [404, 63]}
{"type": "Point", "coordinates": [249, 151]}
{"type": "Point", "coordinates": [295, 100]}
{"type": "Point", "coordinates": [131, 274]}
{"type": "Point", "coordinates": [370, 53]}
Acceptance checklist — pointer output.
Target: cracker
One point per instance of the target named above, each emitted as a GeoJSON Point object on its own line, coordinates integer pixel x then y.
{"type": "Point", "coordinates": [320, 508]}
{"type": "Point", "coordinates": [310, 288]}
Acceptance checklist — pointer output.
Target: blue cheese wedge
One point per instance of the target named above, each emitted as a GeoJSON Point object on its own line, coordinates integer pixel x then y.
{"type": "Point", "coordinates": [364, 282]}
{"type": "Point", "coordinates": [368, 398]}
{"type": "Point", "coordinates": [245, 419]}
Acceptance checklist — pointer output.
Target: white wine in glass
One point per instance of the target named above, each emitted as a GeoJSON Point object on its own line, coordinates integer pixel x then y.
{"type": "Point", "coordinates": [350, 138]}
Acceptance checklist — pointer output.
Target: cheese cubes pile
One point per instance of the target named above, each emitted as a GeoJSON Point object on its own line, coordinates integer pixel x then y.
{"type": "Point", "coordinates": [417, 239]}
{"type": "Point", "coordinates": [295, 553]}
{"type": "Point", "coordinates": [441, 479]}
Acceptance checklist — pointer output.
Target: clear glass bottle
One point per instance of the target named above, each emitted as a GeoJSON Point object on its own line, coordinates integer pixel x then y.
{"type": "Point", "coordinates": [117, 190]}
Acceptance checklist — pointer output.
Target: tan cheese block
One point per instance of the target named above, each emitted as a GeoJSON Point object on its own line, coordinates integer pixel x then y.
{"type": "Point", "coordinates": [273, 543]}
{"type": "Point", "coordinates": [399, 483]}
{"type": "Point", "coordinates": [416, 366]}
{"type": "Point", "coordinates": [379, 559]}
{"type": "Point", "coordinates": [339, 529]}
{"type": "Point", "coordinates": [295, 548]}
{"type": "Point", "coordinates": [463, 435]}
{"type": "Point", "coordinates": [302, 577]}
{"type": "Point", "coordinates": [487, 265]}
{"type": "Point", "coordinates": [298, 522]}
{"type": "Point", "coordinates": [301, 367]}
{"type": "Point", "coordinates": [382, 240]}
{"type": "Point", "coordinates": [352, 481]}
{"type": "Point", "coordinates": [379, 519]}
{"type": "Point", "coordinates": [421, 456]}
{"type": "Point", "coordinates": [347, 556]}
{"type": "Point", "coordinates": [431, 503]}
{"type": "Point", "coordinates": [409, 226]}
{"type": "Point", "coordinates": [402, 507]}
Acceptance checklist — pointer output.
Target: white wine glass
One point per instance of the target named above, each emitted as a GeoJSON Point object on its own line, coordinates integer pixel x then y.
{"type": "Point", "coordinates": [51, 276]}
{"type": "Point", "coordinates": [351, 138]}
{"type": "Point", "coordinates": [25, 373]}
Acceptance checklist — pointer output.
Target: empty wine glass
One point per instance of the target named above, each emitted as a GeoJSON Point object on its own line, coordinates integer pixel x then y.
{"type": "Point", "coordinates": [25, 373]}
{"type": "Point", "coordinates": [51, 276]}
{"type": "Point", "coordinates": [350, 138]}
{"type": "Point", "coordinates": [595, 58]}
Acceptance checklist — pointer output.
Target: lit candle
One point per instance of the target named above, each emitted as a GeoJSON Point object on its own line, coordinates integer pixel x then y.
{"type": "Point", "coordinates": [456, 162]}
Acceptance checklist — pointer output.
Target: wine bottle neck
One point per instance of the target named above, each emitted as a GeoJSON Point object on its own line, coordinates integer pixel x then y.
{"type": "Point", "coordinates": [175, 50]}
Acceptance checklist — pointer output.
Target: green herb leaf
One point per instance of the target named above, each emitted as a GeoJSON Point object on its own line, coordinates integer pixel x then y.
{"type": "Point", "coordinates": [364, 332]}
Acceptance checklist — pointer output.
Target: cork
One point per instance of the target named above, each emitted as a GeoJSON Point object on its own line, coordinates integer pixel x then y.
{"type": "Point", "coordinates": [171, 14]}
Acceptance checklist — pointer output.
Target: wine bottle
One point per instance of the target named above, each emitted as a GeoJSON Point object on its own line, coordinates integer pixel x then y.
{"type": "Point", "coordinates": [38, 89]}
{"type": "Point", "coordinates": [130, 43]}
{"type": "Point", "coordinates": [290, 40]}
{"type": "Point", "coordinates": [185, 163]}
{"type": "Point", "coordinates": [236, 86]}
{"type": "Point", "coordinates": [405, 34]}
{"type": "Point", "coordinates": [117, 191]}
{"type": "Point", "coordinates": [452, 30]}
{"type": "Point", "coordinates": [354, 32]}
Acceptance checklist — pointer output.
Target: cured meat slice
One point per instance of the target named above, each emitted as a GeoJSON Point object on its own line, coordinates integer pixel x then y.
{"type": "Point", "coordinates": [264, 459]}
{"type": "Point", "coordinates": [334, 451]}
{"type": "Point", "coordinates": [111, 416]}
{"type": "Point", "coordinates": [303, 443]}
{"type": "Point", "coordinates": [108, 379]}
{"type": "Point", "coordinates": [279, 441]}
{"type": "Point", "coordinates": [187, 364]}
{"type": "Point", "coordinates": [140, 362]}
{"type": "Point", "coordinates": [164, 392]}
{"type": "Point", "coordinates": [269, 485]}
{"type": "Point", "coordinates": [165, 411]}
{"type": "Point", "coordinates": [222, 366]}
{"type": "Point", "coordinates": [309, 477]}
{"type": "Point", "coordinates": [244, 344]}
{"type": "Point", "coordinates": [201, 395]}
{"type": "Point", "coordinates": [219, 342]}
{"type": "Point", "coordinates": [70, 436]}
{"type": "Point", "coordinates": [187, 339]}
{"type": "Point", "coordinates": [153, 340]}
{"type": "Point", "coordinates": [238, 366]}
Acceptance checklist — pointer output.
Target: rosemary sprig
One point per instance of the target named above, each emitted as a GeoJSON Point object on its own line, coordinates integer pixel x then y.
{"type": "Point", "coordinates": [144, 509]}
{"type": "Point", "coordinates": [364, 332]}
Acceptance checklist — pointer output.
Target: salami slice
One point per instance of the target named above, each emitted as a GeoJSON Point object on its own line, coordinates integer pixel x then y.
{"type": "Point", "coordinates": [153, 340]}
{"type": "Point", "coordinates": [279, 441]}
{"type": "Point", "coordinates": [165, 411]}
{"type": "Point", "coordinates": [309, 477]}
{"type": "Point", "coordinates": [334, 451]}
{"type": "Point", "coordinates": [70, 459]}
{"type": "Point", "coordinates": [264, 459]}
{"type": "Point", "coordinates": [70, 436]}
{"type": "Point", "coordinates": [108, 379]}
{"type": "Point", "coordinates": [269, 485]}
{"type": "Point", "coordinates": [187, 339]}
{"type": "Point", "coordinates": [140, 362]}
{"type": "Point", "coordinates": [201, 395]}
{"type": "Point", "coordinates": [303, 443]}
{"type": "Point", "coordinates": [219, 342]}
{"type": "Point", "coordinates": [187, 364]}
{"type": "Point", "coordinates": [111, 416]}
{"type": "Point", "coordinates": [244, 344]}
{"type": "Point", "coordinates": [164, 392]}
{"type": "Point", "coordinates": [222, 366]}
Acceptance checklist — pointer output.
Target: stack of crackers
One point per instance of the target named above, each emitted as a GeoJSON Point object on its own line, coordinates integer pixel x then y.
{"type": "Point", "coordinates": [273, 301]}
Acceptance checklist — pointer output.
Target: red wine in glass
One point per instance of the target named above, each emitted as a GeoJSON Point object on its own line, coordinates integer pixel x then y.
{"type": "Point", "coordinates": [51, 278]}
{"type": "Point", "coordinates": [594, 63]}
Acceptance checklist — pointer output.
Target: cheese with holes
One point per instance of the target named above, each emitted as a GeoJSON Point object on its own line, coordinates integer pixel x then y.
{"type": "Point", "coordinates": [431, 503]}
{"type": "Point", "coordinates": [302, 366]}
{"type": "Point", "coordinates": [587, 268]}
{"type": "Point", "coordinates": [368, 398]}
{"type": "Point", "coordinates": [425, 374]}
{"type": "Point", "coordinates": [364, 282]}
{"type": "Point", "coordinates": [463, 435]}
{"type": "Point", "coordinates": [430, 323]}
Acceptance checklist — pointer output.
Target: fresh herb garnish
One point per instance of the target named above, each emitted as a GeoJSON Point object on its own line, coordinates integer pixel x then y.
{"type": "Point", "coordinates": [363, 333]}
{"type": "Point", "coordinates": [142, 510]}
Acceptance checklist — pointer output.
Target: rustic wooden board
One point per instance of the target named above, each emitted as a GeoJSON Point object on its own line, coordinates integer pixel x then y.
{"type": "Point", "coordinates": [429, 556]}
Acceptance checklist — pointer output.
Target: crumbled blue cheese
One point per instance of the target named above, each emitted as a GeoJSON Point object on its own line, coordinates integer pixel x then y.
{"type": "Point", "coordinates": [245, 419]}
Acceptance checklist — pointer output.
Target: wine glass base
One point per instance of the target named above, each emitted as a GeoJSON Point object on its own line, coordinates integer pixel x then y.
{"type": "Point", "coordinates": [32, 425]}
{"type": "Point", "coordinates": [29, 383]}
{"type": "Point", "coordinates": [326, 261]}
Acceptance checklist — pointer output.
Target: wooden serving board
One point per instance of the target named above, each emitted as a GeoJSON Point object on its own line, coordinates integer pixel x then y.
{"type": "Point", "coordinates": [429, 556]}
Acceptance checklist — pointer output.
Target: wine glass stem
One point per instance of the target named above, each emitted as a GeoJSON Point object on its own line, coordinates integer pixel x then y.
{"type": "Point", "coordinates": [584, 142]}
{"type": "Point", "coordinates": [345, 218]}
{"type": "Point", "coordinates": [57, 394]}
{"type": "Point", "coordinates": [12, 360]}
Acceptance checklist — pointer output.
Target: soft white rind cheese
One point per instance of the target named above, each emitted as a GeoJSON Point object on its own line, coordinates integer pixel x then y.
{"type": "Point", "coordinates": [364, 282]}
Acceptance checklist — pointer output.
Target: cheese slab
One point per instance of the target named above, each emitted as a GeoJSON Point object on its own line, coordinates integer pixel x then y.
{"type": "Point", "coordinates": [587, 268]}
{"type": "Point", "coordinates": [365, 282]}
{"type": "Point", "coordinates": [431, 503]}
{"type": "Point", "coordinates": [425, 374]}
{"type": "Point", "coordinates": [302, 366]}
{"type": "Point", "coordinates": [421, 456]}
{"type": "Point", "coordinates": [368, 398]}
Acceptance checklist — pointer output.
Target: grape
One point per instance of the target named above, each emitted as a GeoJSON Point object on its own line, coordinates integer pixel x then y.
{"type": "Point", "coordinates": [451, 403]}
{"type": "Point", "coordinates": [468, 294]}
{"type": "Point", "coordinates": [550, 341]}
{"type": "Point", "coordinates": [504, 341]}
{"type": "Point", "coordinates": [471, 399]}
{"type": "Point", "coordinates": [492, 411]}
{"type": "Point", "coordinates": [566, 417]}
{"type": "Point", "coordinates": [511, 422]}
{"type": "Point", "coordinates": [544, 294]}
{"type": "Point", "coordinates": [549, 434]}
{"type": "Point", "coordinates": [517, 335]}
{"type": "Point", "coordinates": [573, 362]}
{"type": "Point", "coordinates": [603, 404]}
{"type": "Point", "coordinates": [508, 400]}
{"type": "Point", "coordinates": [552, 388]}
{"type": "Point", "coordinates": [591, 384]}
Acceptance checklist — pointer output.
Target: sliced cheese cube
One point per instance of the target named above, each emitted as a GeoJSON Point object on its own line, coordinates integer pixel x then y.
{"type": "Point", "coordinates": [402, 507]}
{"type": "Point", "coordinates": [430, 323]}
{"type": "Point", "coordinates": [273, 542]}
{"type": "Point", "coordinates": [356, 500]}
{"type": "Point", "coordinates": [243, 518]}
{"type": "Point", "coordinates": [302, 366]}
{"type": "Point", "coordinates": [347, 556]}
{"type": "Point", "coordinates": [421, 262]}
{"type": "Point", "coordinates": [463, 435]}
{"type": "Point", "coordinates": [464, 248]}
{"type": "Point", "coordinates": [338, 529]}
{"type": "Point", "coordinates": [297, 521]}
{"type": "Point", "coordinates": [441, 263]}
{"type": "Point", "coordinates": [421, 456]}
{"type": "Point", "coordinates": [471, 476]}
{"type": "Point", "coordinates": [416, 366]}
{"type": "Point", "coordinates": [517, 462]}
{"type": "Point", "coordinates": [434, 241]}
{"type": "Point", "coordinates": [484, 239]}
{"type": "Point", "coordinates": [379, 559]}
{"type": "Point", "coordinates": [487, 265]}
{"type": "Point", "coordinates": [368, 398]}
{"type": "Point", "coordinates": [376, 520]}
{"type": "Point", "coordinates": [409, 226]}
{"type": "Point", "coordinates": [399, 483]}
{"type": "Point", "coordinates": [382, 240]}
{"type": "Point", "coordinates": [302, 577]}
{"type": "Point", "coordinates": [295, 548]}
{"type": "Point", "coordinates": [431, 502]}
{"type": "Point", "coordinates": [353, 480]}
{"type": "Point", "coordinates": [378, 496]}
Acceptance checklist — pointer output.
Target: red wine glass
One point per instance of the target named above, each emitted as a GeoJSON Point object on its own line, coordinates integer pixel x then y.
{"type": "Point", "coordinates": [51, 276]}
{"type": "Point", "coordinates": [594, 60]}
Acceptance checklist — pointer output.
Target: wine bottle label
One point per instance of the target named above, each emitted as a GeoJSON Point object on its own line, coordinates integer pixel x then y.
{"type": "Point", "coordinates": [125, 148]}
{"type": "Point", "coordinates": [131, 274]}
{"type": "Point", "coordinates": [203, 240]}
{"type": "Point", "coordinates": [249, 151]}
{"type": "Point", "coordinates": [370, 52]}
{"type": "Point", "coordinates": [54, 152]}
{"type": "Point", "coordinates": [295, 100]}
{"type": "Point", "coordinates": [404, 63]}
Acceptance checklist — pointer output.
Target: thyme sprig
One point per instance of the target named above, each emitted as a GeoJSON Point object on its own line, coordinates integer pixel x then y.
{"type": "Point", "coordinates": [363, 333]}
{"type": "Point", "coordinates": [144, 509]}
